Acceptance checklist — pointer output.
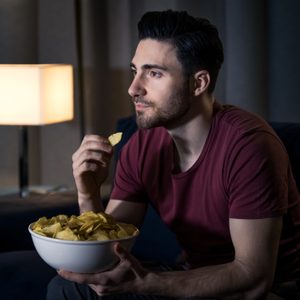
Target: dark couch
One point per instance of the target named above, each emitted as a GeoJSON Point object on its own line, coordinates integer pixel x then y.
{"type": "Point", "coordinates": [22, 272]}
{"type": "Point", "coordinates": [23, 275]}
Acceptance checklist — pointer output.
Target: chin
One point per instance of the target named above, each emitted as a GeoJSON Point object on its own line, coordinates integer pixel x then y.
{"type": "Point", "coordinates": [146, 123]}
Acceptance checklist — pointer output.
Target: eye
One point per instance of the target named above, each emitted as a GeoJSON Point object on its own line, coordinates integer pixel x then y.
{"type": "Point", "coordinates": [155, 74]}
{"type": "Point", "coordinates": [133, 72]}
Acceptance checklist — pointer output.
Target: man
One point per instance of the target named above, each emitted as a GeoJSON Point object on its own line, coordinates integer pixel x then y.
{"type": "Point", "coordinates": [218, 176]}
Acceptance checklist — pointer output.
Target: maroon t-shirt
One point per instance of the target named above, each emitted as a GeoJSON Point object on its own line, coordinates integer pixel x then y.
{"type": "Point", "coordinates": [243, 172]}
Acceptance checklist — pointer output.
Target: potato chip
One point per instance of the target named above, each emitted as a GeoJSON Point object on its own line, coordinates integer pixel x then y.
{"type": "Point", "coordinates": [66, 234]}
{"type": "Point", "coordinates": [89, 226]}
{"type": "Point", "coordinates": [113, 235]}
{"type": "Point", "coordinates": [52, 229]}
{"type": "Point", "coordinates": [40, 222]}
{"type": "Point", "coordinates": [115, 138]}
{"type": "Point", "coordinates": [99, 235]}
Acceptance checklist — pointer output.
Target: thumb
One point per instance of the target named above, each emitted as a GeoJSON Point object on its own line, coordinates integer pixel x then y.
{"type": "Point", "coordinates": [120, 251]}
{"type": "Point", "coordinates": [129, 260]}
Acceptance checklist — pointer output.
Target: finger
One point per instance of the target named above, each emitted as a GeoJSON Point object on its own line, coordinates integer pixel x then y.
{"type": "Point", "coordinates": [93, 142]}
{"type": "Point", "coordinates": [102, 279]}
{"type": "Point", "coordinates": [100, 290]}
{"type": "Point", "coordinates": [128, 260]}
{"type": "Point", "coordinates": [95, 137]}
{"type": "Point", "coordinates": [90, 150]}
{"type": "Point", "coordinates": [100, 145]}
{"type": "Point", "coordinates": [97, 144]}
{"type": "Point", "coordinates": [88, 166]}
{"type": "Point", "coordinates": [77, 277]}
{"type": "Point", "coordinates": [121, 252]}
{"type": "Point", "coordinates": [100, 158]}
{"type": "Point", "coordinates": [92, 167]}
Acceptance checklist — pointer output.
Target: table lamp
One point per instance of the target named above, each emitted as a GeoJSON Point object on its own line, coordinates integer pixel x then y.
{"type": "Point", "coordinates": [35, 94]}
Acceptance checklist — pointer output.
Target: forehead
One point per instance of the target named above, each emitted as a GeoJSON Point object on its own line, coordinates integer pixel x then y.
{"type": "Point", "coordinates": [151, 51]}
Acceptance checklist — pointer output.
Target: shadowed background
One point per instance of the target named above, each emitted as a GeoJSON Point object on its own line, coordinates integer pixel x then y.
{"type": "Point", "coordinates": [261, 42]}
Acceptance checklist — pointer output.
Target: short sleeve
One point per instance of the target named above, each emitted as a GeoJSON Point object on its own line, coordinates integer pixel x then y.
{"type": "Point", "coordinates": [127, 182]}
{"type": "Point", "coordinates": [256, 177]}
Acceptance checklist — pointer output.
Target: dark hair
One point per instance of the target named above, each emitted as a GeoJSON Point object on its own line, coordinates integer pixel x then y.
{"type": "Point", "coordinates": [196, 40]}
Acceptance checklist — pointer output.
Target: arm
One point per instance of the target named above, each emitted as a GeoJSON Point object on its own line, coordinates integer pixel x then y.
{"type": "Point", "coordinates": [248, 276]}
{"type": "Point", "coordinates": [90, 169]}
{"type": "Point", "coordinates": [126, 211]}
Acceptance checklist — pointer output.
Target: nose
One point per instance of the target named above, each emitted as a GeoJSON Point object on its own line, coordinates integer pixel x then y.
{"type": "Point", "coordinates": [136, 87]}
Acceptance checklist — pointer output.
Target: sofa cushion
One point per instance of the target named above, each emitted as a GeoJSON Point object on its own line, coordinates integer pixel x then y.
{"type": "Point", "coordinates": [289, 133]}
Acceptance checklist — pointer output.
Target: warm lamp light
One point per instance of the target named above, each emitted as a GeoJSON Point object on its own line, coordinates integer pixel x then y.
{"type": "Point", "coordinates": [34, 95]}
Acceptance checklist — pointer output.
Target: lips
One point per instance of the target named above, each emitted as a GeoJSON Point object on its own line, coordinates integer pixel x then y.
{"type": "Point", "coordinates": [141, 104]}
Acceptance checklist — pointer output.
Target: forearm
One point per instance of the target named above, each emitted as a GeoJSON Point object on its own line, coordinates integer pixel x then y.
{"type": "Point", "coordinates": [90, 202]}
{"type": "Point", "coordinates": [227, 281]}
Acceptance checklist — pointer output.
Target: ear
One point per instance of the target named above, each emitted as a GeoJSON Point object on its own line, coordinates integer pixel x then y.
{"type": "Point", "coordinates": [201, 82]}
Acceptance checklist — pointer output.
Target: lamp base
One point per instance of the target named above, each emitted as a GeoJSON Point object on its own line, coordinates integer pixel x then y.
{"type": "Point", "coordinates": [24, 192]}
{"type": "Point", "coordinates": [23, 161]}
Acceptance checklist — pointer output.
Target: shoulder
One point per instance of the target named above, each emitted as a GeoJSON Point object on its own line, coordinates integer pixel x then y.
{"type": "Point", "coordinates": [248, 142]}
{"type": "Point", "coordinates": [236, 123]}
{"type": "Point", "coordinates": [240, 120]}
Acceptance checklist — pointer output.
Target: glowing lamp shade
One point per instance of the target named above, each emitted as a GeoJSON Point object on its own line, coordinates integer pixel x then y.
{"type": "Point", "coordinates": [36, 94]}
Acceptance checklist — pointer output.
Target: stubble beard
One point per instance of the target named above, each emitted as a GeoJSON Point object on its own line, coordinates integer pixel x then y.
{"type": "Point", "coordinates": [177, 106]}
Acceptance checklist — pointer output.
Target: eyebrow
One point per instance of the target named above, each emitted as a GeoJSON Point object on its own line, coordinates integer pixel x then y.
{"type": "Point", "coordinates": [150, 66]}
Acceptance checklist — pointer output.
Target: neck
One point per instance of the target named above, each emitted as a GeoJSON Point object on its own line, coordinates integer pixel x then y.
{"type": "Point", "coordinates": [189, 137]}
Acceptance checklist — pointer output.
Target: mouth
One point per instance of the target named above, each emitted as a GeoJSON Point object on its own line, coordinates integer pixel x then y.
{"type": "Point", "coordinates": [141, 105]}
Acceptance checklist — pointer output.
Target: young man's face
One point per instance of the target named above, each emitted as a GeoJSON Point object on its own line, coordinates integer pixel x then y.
{"type": "Point", "coordinates": [159, 90]}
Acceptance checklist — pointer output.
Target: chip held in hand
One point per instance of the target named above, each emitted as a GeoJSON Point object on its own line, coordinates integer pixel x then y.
{"type": "Point", "coordinates": [115, 138]}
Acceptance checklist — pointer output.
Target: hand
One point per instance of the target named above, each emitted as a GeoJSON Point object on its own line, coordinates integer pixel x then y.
{"type": "Point", "coordinates": [126, 277]}
{"type": "Point", "coordinates": [90, 165]}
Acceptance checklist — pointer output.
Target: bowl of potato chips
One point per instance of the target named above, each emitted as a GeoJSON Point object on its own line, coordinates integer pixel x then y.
{"type": "Point", "coordinates": [83, 243]}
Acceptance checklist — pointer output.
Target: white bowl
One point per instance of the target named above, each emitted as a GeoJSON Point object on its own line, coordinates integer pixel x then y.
{"type": "Point", "coordinates": [79, 256]}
